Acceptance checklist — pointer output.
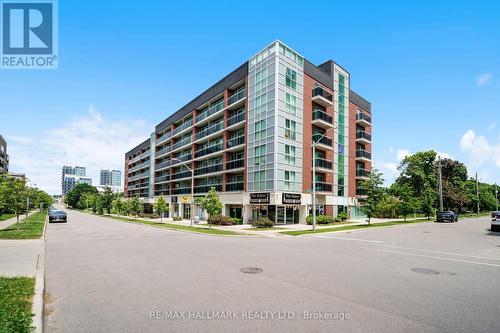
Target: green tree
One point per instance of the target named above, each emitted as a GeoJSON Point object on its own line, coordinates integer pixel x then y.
{"type": "Point", "coordinates": [118, 206]}
{"type": "Point", "coordinates": [454, 176]}
{"type": "Point", "coordinates": [107, 199]}
{"type": "Point", "coordinates": [387, 206]}
{"type": "Point", "coordinates": [373, 190]}
{"type": "Point", "coordinates": [211, 203]}
{"type": "Point", "coordinates": [14, 196]}
{"type": "Point", "coordinates": [72, 198]}
{"type": "Point", "coordinates": [134, 205]}
{"type": "Point", "coordinates": [161, 207]}
{"type": "Point", "coordinates": [407, 203]}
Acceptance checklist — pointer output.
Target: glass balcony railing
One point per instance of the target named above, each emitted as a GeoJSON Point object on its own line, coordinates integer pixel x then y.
{"type": "Point", "coordinates": [324, 140]}
{"type": "Point", "coordinates": [210, 111]}
{"type": "Point", "coordinates": [362, 173]}
{"type": "Point", "coordinates": [209, 150]}
{"type": "Point", "coordinates": [163, 151]}
{"type": "Point", "coordinates": [363, 135]}
{"type": "Point", "coordinates": [206, 188]}
{"type": "Point", "coordinates": [181, 143]}
{"type": "Point", "coordinates": [234, 186]}
{"type": "Point", "coordinates": [164, 137]}
{"type": "Point", "coordinates": [363, 154]}
{"type": "Point", "coordinates": [235, 164]}
{"type": "Point", "coordinates": [318, 91]}
{"type": "Point", "coordinates": [323, 187]}
{"type": "Point", "coordinates": [210, 130]}
{"type": "Point", "coordinates": [238, 118]}
{"type": "Point", "coordinates": [208, 169]}
{"type": "Point", "coordinates": [360, 192]}
{"type": "Point", "coordinates": [139, 166]}
{"type": "Point", "coordinates": [322, 163]}
{"type": "Point", "coordinates": [362, 116]}
{"type": "Point", "coordinates": [181, 190]}
{"type": "Point", "coordinates": [236, 96]}
{"type": "Point", "coordinates": [234, 142]}
{"type": "Point", "coordinates": [182, 127]}
{"type": "Point", "coordinates": [320, 115]}
{"type": "Point", "coordinates": [183, 158]}
{"type": "Point", "coordinates": [162, 178]}
{"type": "Point", "coordinates": [182, 174]}
{"type": "Point", "coordinates": [163, 164]}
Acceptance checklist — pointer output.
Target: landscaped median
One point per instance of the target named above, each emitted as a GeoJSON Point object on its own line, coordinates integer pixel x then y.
{"type": "Point", "coordinates": [30, 229]}
{"type": "Point", "coordinates": [16, 297]}
{"type": "Point", "coordinates": [350, 227]}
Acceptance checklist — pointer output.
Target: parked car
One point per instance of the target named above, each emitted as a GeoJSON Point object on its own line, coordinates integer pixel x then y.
{"type": "Point", "coordinates": [447, 215]}
{"type": "Point", "coordinates": [495, 221]}
{"type": "Point", "coordinates": [57, 216]}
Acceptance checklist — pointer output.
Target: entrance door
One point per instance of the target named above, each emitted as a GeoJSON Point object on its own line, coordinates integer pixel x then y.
{"type": "Point", "coordinates": [280, 215]}
{"type": "Point", "coordinates": [289, 215]}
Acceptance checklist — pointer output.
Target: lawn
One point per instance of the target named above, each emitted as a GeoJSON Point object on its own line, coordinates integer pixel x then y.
{"type": "Point", "coordinates": [350, 227]}
{"type": "Point", "coordinates": [16, 295]}
{"type": "Point", "coordinates": [30, 230]}
{"type": "Point", "coordinates": [203, 230]}
{"type": "Point", "coordinates": [4, 217]}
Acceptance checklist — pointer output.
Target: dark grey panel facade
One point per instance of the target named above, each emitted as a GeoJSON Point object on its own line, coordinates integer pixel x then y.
{"type": "Point", "coordinates": [360, 101]}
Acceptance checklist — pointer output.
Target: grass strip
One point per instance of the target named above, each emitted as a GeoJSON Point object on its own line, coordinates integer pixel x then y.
{"type": "Point", "coordinates": [16, 295]}
{"type": "Point", "coordinates": [32, 229]}
{"type": "Point", "coordinates": [4, 217]}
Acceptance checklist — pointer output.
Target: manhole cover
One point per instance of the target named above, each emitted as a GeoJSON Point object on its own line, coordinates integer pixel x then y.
{"type": "Point", "coordinates": [251, 270]}
{"type": "Point", "coordinates": [424, 271]}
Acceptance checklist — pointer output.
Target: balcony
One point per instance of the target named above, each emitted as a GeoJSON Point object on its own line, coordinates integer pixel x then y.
{"type": "Point", "coordinates": [209, 130]}
{"type": "Point", "coordinates": [235, 164]}
{"type": "Point", "coordinates": [182, 174]}
{"type": "Point", "coordinates": [362, 173]}
{"type": "Point", "coordinates": [321, 97]}
{"type": "Point", "coordinates": [236, 119]}
{"type": "Point", "coordinates": [161, 179]}
{"type": "Point", "coordinates": [235, 142]}
{"type": "Point", "coordinates": [363, 137]}
{"type": "Point", "coordinates": [164, 137]}
{"type": "Point", "coordinates": [208, 169]}
{"type": "Point", "coordinates": [181, 143]}
{"type": "Point", "coordinates": [363, 119]}
{"type": "Point", "coordinates": [139, 157]}
{"type": "Point", "coordinates": [209, 150]}
{"type": "Point", "coordinates": [360, 192]}
{"type": "Point", "coordinates": [137, 177]}
{"type": "Point", "coordinates": [138, 186]}
{"type": "Point", "coordinates": [178, 130]}
{"type": "Point", "coordinates": [363, 155]}
{"type": "Point", "coordinates": [139, 167]}
{"type": "Point", "coordinates": [183, 158]}
{"type": "Point", "coordinates": [206, 188]}
{"type": "Point", "coordinates": [207, 113]}
{"type": "Point", "coordinates": [162, 165]}
{"type": "Point", "coordinates": [323, 164]}
{"type": "Point", "coordinates": [181, 190]}
{"type": "Point", "coordinates": [234, 187]}
{"type": "Point", "coordinates": [235, 99]}
{"type": "Point", "coordinates": [321, 119]}
{"type": "Point", "coordinates": [323, 142]}
{"type": "Point", "coordinates": [163, 151]}
{"type": "Point", "coordinates": [323, 187]}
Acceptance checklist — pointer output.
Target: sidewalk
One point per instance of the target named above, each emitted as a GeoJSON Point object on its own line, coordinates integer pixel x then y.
{"type": "Point", "coordinates": [7, 223]}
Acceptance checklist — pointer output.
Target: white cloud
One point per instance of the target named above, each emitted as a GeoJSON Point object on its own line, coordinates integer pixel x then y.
{"type": "Point", "coordinates": [391, 150]}
{"type": "Point", "coordinates": [478, 148]}
{"type": "Point", "coordinates": [91, 141]}
{"type": "Point", "coordinates": [492, 126]}
{"type": "Point", "coordinates": [444, 155]}
{"type": "Point", "coordinates": [483, 79]}
{"type": "Point", "coordinates": [18, 139]}
{"type": "Point", "coordinates": [402, 153]}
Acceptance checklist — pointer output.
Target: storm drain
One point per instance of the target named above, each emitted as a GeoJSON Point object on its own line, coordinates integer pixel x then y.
{"type": "Point", "coordinates": [424, 271]}
{"type": "Point", "coordinates": [251, 270]}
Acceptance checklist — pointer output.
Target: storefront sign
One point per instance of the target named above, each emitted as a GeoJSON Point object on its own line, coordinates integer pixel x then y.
{"type": "Point", "coordinates": [291, 198]}
{"type": "Point", "coordinates": [259, 198]}
{"type": "Point", "coordinates": [184, 199]}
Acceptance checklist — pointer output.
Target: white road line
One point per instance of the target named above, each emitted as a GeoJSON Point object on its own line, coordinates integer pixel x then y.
{"type": "Point", "coordinates": [351, 239]}
{"type": "Point", "coordinates": [434, 257]}
{"type": "Point", "coordinates": [442, 252]}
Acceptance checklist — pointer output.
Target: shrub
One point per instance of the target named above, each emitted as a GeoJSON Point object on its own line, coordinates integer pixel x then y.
{"type": "Point", "coordinates": [220, 220]}
{"type": "Point", "coordinates": [149, 215]}
{"type": "Point", "coordinates": [263, 222]}
{"type": "Point", "coordinates": [177, 218]}
{"type": "Point", "coordinates": [320, 219]}
{"type": "Point", "coordinates": [237, 220]}
{"type": "Point", "coordinates": [342, 216]}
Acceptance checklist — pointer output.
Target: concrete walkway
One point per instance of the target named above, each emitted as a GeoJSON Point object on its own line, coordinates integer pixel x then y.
{"type": "Point", "coordinates": [7, 223]}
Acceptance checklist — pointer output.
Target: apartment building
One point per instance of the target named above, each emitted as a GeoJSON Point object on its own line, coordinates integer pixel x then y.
{"type": "Point", "coordinates": [250, 136]}
{"type": "Point", "coordinates": [110, 178]}
{"type": "Point", "coordinates": [70, 176]}
{"type": "Point", "coordinates": [4, 158]}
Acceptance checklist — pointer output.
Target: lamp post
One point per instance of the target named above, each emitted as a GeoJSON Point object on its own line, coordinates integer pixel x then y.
{"type": "Point", "coordinates": [314, 144]}
{"type": "Point", "coordinates": [192, 189]}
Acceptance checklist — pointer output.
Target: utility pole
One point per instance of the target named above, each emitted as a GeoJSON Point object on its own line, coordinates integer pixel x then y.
{"type": "Point", "coordinates": [27, 206]}
{"type": "Point", "coordinates": [496, 195]}
{"type": "Point", "coordinates": [440, 185]}
{"type": "Point", "coordinates": [477, 194]}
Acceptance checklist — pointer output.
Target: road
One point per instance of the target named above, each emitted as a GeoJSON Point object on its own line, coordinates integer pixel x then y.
{"type": "Point", "coordinates": [109, 276]}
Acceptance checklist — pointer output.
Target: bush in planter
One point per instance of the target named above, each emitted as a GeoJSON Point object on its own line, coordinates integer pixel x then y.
{"type": "Point", "coordinates": [177, 218]}
{"type": "Point", "coordinates": [320, 219]}
{"type": "Point", "coordinates": [237, 220]}
{"type": "Point", "coordinates": [220, 220]}
{"type": "Point", "coordinates": [263, 223]}
{"type": "Point", "coordinates": [342, 216]}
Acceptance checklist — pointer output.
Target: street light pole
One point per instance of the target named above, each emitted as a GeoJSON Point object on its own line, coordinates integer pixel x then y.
{"type": "Point", "coordinates": [191, 215]}
{"type": "Point", "coordinates": [440, 186]}
{"type": "Point", "coordinates": [496, 195]}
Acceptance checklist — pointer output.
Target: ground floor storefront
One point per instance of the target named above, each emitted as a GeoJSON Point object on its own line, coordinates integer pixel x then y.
{"type": "Point", "coordinates": [281, 208]}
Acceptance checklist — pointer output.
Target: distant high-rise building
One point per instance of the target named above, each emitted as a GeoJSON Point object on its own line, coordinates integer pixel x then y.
{"type": "Point", "coordinates": [110, 178]}
{"type": "Point", "coordinates": [71, 176]}
{"type": "Point", "coordinates": [4, 158]}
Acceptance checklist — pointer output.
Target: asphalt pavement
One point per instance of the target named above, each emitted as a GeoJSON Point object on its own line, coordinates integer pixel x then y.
{"type": "Point", "coordinates": [104, 275]}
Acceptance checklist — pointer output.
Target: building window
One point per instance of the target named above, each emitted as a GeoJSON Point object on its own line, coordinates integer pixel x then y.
{"type": "Point", "coordinates": [260, 103]}
{"type": "Point", "coordinates": [260, 79]}
{"type": "Point", "coordinates": [289, 180]}
{"type": "Point", "coordinates": [290, 103]}
{"type": "Point", "coordinates": [289, 154]}
{"type": "Point", "coordinates": [291, 78]}
{"type": "Point", "coordinates": [260, 129]}
{"type": "Point", "coordinates": [260, 155]}
{"type": "Point", "coordinates": [259, 178]}
{"type": "Point", "coordinates": [290, 127]}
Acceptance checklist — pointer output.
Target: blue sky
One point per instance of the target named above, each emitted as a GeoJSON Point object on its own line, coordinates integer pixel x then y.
{"type": "Point", "coordinates": [430, 68]}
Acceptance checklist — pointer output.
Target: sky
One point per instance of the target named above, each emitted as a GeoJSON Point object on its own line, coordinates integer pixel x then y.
{"type": "Point", "coordinates": [431, 70]}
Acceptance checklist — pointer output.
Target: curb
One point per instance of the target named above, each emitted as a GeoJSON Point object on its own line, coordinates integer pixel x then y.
{"type": "Point", "coordinates": [38, 302]}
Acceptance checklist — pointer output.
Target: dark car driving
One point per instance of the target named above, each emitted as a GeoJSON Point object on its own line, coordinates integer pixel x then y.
{"type": "Point", "coordinates": [447, 215]}
{"type": "Point", "coordinates": [57, 216]}
{"type": "Point", "coordinates": [495, 221]}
